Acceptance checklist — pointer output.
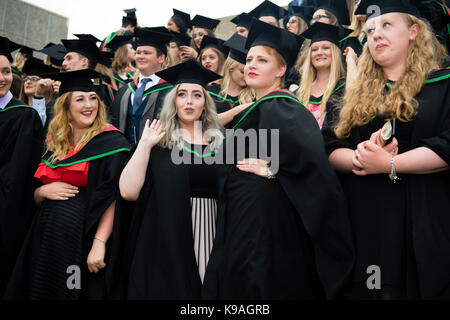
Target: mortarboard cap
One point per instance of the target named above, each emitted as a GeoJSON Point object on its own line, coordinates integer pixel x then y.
{"type": "Point", "coordinates": [372, 8]}
{"type": "Point", "coordinates": [56, 53]}
{"type": "Point", "coordinates": [34, 67]}
{"type": "Point", "coordinates": [434, 13]}
{"type": "Point", "coordinates": [284, 42]}
{"type": "Point", "coordinates": [6, 47]}
{"type": "Point", "coordinates": [325, 32]}
{"type": "Point", "coordinates": [336, 7]}
{"type": "Point", "coordinates": [205, 22]}
{"type": "Point", "coordinates": [185, 17]}
{"type": "Point", "coordinates": [242, 20]}
{"type": "Point", "coordinates": [190, 71]}
{"type": "Point", "coordinates": [130, 12]}
{"type": "Point", "coordinates": [268, 9]}
{"type": "Point", "coordinates": [84, 36]}
{"type": "Point", "coordinates": [106, 58]}
{"type": "Point", "coordinates": [80, 80]}
{"type": "Point", "coordinates": [237, 48]}
{"type": "Point", "coordinates": [119, 41]}
{"type": "Point", "coordinates": [148, 37]}
{"type": "Point", "coordinates": [26, 51]}
{"type": "Point", "coordinates": [306, 13]}
{"type": "Point", "coordinates": [85, 47]}
{"type": "Point", "coordinates": [180, 38]}
{"type": "Point", "coordinates": [211, 42]}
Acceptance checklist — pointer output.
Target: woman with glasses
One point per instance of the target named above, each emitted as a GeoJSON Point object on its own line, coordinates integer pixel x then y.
{"type": "Point", "coordinates": [35, 92]}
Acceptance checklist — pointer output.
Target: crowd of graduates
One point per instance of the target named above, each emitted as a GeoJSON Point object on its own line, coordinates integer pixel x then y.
{"type": "Point", "coordinates": [354, 97]}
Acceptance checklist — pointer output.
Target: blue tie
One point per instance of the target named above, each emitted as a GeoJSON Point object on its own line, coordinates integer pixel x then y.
{"type": "Point", "coordinates": [139, 93]}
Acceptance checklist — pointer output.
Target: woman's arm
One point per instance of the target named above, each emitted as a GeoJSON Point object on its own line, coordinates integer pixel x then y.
{"type": "Point", "coordinates": [96, 257]}
{"type": "Point", "coordinates": [228, 116]}
{"type": "Point", "coordinates": [342, 159]}
{"type": "Point", "coordinates": [133, 175]}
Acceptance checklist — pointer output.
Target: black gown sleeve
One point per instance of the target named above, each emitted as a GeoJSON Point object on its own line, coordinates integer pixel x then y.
{"type": "Point", "coordinates": [313, 188]}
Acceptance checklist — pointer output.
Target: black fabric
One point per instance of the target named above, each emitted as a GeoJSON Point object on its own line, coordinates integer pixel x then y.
{"type": "Point", "coordinates": [22, 137]}
{"type": "Point", "coordinates": [222, 103]}
{"type": "Point", "coordinates": [276, 238]}
{"type": "Point", "coordinates": [100, 192]}
{"type": "Point", "coordinates": [405, 230]}
{"type": "Point", "coordinates": [158, 259]}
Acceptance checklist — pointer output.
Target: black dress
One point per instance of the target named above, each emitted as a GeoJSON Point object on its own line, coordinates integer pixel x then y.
{"type": "Point", "coordinates": [173, 227]}
{"type": "Point", "coordinates": [287, 238]}
{"type": "Point", "coordinates": [403, 227]}
{"type": "Point", "coordinates": [62, 232]}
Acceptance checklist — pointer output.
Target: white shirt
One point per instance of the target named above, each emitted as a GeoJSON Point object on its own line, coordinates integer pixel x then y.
{"type": "Point", "coordinates": [39, 105]}
{"type": "Point", "coordinates": [150, 84]}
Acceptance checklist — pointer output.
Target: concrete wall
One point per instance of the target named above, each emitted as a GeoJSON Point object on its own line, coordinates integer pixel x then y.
{"type": "Point", "coordinates": [31, 26]}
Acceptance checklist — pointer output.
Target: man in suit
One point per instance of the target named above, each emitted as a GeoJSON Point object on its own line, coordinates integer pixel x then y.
{"type": "Point", "coordinates": [143, 98]}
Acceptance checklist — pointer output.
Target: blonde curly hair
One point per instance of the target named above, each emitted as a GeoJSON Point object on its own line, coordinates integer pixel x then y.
{"type": "Point", "coordinates": [367, 97]}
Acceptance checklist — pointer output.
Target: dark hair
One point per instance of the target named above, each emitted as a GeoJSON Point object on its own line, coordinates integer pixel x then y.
{"type": "Point", "coordinates": [90, 63]}
{"type": "Point", "coordinates": [180, 24]}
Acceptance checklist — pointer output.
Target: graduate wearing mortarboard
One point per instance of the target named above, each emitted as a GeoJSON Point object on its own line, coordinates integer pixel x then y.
{"type": "Point", "coordinates": [282, 229]}
{"type": "Point", "coordinates": [269, 12]}
{"type": "Point", "coordinates": [391, 148]}
{"type": "Point", "coordinates": [142, 99]}
{"type": "Point", "coordinates": [21, 147]}
{"type": "Point", "coordinates": [75, 195]}
{"type": "Point", "coordinates": [129, 23]}
{"type": "Point", "coordinates": [123, 56]}
{"type": "Point", "coordinates": [173, 226]}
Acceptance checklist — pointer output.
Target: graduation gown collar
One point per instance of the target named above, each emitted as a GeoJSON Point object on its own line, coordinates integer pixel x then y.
{"type": "Point", "coordinates": [162, 85]}
{"type": "Point", "coordinates": [106, 143]}
{"type": "Point", "coordinates": [272, 95]}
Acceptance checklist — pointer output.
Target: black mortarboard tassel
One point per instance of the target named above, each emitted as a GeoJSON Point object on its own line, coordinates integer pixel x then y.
{"type": "Point", "coordinates": [6, 47]}
{"type": "Point", "coordinates": [325, 32]}
{"type": "Point", "coordinates": [284, 42]}
{"type": "Point", "coordinates": [205, 22]}
{"type": "Point", "coordinates": [190, 71]}
{"type": "Point", "coordinates": [237, 48]}
{"type": "Point", "coordinates": [372, 8]}
{"type": "Point", "coordinates": [338, 8]}
{"type": "Point", "coordinates": [210, 42]}
{"type": "Point", "coordinates": [80, 80]}
{"type": "Point", "coordinates": [268, 9]}
{"type": "Point", "coordinates": [34, 67]}
{"type": "Point", "coordinates": [242, 20]}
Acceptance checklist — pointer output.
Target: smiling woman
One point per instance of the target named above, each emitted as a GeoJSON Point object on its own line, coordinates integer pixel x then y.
{"type": "Point", "coordinates": [77, 177]}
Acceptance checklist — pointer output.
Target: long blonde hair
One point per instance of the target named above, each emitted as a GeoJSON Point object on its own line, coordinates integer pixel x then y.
{"type": "Point", "coordinates": [308, 75]}
{"type": "Point", "coordinates": [108, 73]}
{"type": "Point", "coordinates": [246, 95]}
{"type": "Point", "coordinates": [60, 131]}
{"type": "Point", "coordinates": [366, 97]}
{"type": "Point", "coordinates": [169, 119]}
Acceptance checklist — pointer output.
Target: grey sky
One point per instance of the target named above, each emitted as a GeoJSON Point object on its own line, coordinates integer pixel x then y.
{"type": "Point", "coordinates": [100, 17]}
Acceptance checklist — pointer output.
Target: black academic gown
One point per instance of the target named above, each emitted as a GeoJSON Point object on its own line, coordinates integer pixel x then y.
{"type": "Point", "coordinates": [62, 231]}
{"type": "Point", "coordinates": [403, 228]}
{"type": "Point", "coordinates": [287, 238]}
{"type": "Point", "coordinates": [22, 141]}
{"type": "Point", "coordinates": [158, 260]}
{"type": "Point", "coordinates": [107, 93]}
{"type": "Point", "coordinates": [222, 103]}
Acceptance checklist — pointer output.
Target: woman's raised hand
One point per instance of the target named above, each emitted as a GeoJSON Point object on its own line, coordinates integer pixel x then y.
{"type": "Point", "coordinates": [152, 133]}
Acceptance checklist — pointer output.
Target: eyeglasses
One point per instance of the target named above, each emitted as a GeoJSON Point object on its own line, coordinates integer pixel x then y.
{"type": "Point", "coordinates": [320, 16]}
{"type": "Point", "coordinates": [32, 79]}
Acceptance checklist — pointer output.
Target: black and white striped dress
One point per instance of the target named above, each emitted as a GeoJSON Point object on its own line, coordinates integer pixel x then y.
{"type": "Point", "coordinates": [203, 181]}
